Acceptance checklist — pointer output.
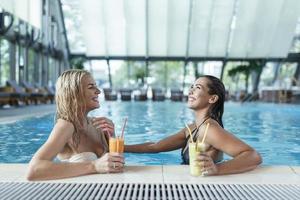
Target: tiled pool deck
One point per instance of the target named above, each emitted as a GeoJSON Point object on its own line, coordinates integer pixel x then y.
{"type": "Point", "coordinates": [167, 174]}
{"type": "Point", "coordinates": [12, 114]}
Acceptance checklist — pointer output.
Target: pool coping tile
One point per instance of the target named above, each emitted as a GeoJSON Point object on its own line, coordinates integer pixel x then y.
{"type": "Point", "coordinates": [296, 169]}
{"type": "Point", "coordinates": [261, 175]}
{"type": "Point", "coordinates": [166, 174]}
{"type": "Point", "coordinates": [131, 174]}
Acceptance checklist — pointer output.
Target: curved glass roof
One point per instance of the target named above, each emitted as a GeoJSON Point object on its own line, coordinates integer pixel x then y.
{"type": "Point", "coordinates": [185, 29]}
{"type": "Point", "coordinates": [27, 10]}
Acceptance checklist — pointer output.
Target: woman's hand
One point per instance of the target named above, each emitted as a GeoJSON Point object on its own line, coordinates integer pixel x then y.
{"type": "Point", "coordinates": [208, 167]}
{"type": "Point", "coordinates": [105, 125]}
{"type": "Point", "coordinates": [109, 163]}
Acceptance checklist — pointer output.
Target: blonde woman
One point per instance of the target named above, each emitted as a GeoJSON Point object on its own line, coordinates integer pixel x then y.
{"type": "Point", "coordinates": [80, 143]}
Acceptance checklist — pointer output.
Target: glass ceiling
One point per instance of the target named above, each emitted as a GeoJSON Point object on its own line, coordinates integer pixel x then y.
{"type": "Point", "coordinates": [73, 23]}
{"type": "Point", "coordinates": [185, 28]}
{"type": "Point", "coordinates": [27, 10]}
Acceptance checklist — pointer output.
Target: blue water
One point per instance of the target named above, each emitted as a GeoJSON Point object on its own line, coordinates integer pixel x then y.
{"type": "Point", "coordinates": [272, 129]}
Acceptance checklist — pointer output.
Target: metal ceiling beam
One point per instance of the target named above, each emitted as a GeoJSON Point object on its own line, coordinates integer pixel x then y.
{"type": "Point", "coordinates": [147, 36]}
{"type": "Point", "coordinates": [64, 27]}
{"type": "Point", "coordinates": [187, 41]}
{"type": "Point", "coordinates": [230, 34]}
{"type": "Point", "coordinates": [105, 29]}
{"type": "Point", "coordinates": [126, 30]}
{"type": "Point", "coordinates": [292, 57]}
{"type": "Point", "coordinates": [209, 26]}
{"type": "Point", "coordinates": [168, 28]}
{"type": "Point", "coordinates": [189, 29]}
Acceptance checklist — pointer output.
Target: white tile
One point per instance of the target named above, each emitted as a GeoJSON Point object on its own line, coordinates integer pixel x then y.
{"type": "Point", "coordinates": [282, 174]}
{"type": "Point", "coordinates": [166, 174]}
{"type": "Point", "coordinates": [131, 174]}
{"type": "Point", "coordinates": [296, 169]}
{"type": "Point", "coordinates": [272, 170]}
{"type": "Point", "coordinates": [12, 172]}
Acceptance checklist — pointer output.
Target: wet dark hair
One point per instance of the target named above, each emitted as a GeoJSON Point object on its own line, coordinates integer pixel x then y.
{"type": "Point", "coordinates": [216, 87]}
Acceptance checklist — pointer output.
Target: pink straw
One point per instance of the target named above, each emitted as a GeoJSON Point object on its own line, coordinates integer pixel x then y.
{"type": "Point", "coordinates": [122, 132]}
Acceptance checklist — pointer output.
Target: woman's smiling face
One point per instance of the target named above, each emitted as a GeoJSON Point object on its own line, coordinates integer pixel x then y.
{"type": "Point", "coordinates": [91, 92]}
{"type": "Point", "coordinates": [198, 94]}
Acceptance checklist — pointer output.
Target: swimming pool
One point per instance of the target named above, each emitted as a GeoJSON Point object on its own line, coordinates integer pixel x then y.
{"type": "Point", "coordinates": [272, 129]}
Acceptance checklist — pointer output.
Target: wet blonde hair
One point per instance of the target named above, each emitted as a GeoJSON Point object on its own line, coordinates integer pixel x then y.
{"type": "Point", "coordinates": [70, 101]}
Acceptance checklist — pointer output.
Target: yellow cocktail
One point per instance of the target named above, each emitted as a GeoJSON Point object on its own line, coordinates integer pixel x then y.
{"type": "Point", "coordinates": [116, 145]}
{"type": "Point", "coordinates": [194, 151]}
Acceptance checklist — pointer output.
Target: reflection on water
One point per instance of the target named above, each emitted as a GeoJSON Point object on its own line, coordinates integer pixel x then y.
{"type": "Point", "coordinates": [272, 129]}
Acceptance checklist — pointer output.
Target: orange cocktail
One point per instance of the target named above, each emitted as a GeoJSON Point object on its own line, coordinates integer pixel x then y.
{"type": "Point", "coordinates": [116, 145]}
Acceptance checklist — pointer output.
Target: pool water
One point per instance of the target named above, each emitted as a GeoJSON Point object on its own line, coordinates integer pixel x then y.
{"type": "Point", "coordinates": [272, 129]}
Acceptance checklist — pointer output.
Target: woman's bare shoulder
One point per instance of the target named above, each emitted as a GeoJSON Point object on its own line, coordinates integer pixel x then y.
{"type": "Point", "coordinates": [216, 133]}
{"type": "Point", "coordinates": [63, 127]}
{"type": "Point", "coordinates": [214, 128]}
{"type": "Point", "coordinates": [213, 123]}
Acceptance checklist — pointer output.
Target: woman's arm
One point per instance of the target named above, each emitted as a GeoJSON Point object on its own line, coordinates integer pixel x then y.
{"type": "Point", "coordinates": [215, 154]}
{"type": "Point", "coordinates": [170, 143]}
{"type": "Point", "coordinates": [41, 166]}
{"type": "Point", "coordinates": [245, 158]}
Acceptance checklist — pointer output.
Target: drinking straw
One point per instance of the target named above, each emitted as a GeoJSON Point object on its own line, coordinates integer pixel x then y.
{"type": "Point", "coordinates": [122, 132]}
{"type": "Point", "coordinates": [188, 128]}
{"type": "Point", "coordinates": [205, 133]}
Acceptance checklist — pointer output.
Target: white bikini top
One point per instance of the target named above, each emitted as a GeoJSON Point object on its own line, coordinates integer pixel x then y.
{"type": "Point", "coordinates": [81, 157]}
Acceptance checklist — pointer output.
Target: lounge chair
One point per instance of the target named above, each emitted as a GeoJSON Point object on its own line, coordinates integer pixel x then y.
{"type": "Point", "coordinates": [36, 95]}
{"type": "Point", "coordinates": [125, 94]}
{"type": "Point", "coordinates": [141, 95]}
{"type": "Point", "coordinates": [277, 95]}
{"type": "Point", "coordinates": [49, 92]}
{"type": "Point", "coordinates": [296, 97]}
{"type": "Point", "coordinates": [176, 95]}
{"type": "Point", "coordinates": [4, 98]}
{"type": "Point", "coordinates": [7, 97]}
{"type": "Point", "coordinates": [109, 94]}
{"type": "Point", "coordinates": [158, 95]}
{"type": "Point", "coordinates": [285, 96]}
{"type": "Point", "coordinates": [20, 93]}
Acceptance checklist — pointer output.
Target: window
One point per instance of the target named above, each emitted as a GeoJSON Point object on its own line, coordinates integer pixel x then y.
{"type": "Point", "coordinates": [4, 61]}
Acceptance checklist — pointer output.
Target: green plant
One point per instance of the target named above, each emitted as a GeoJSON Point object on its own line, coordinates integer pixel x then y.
{"type": "Point", "coordinates": [78, 63]}
{"type": "Point", "coordinates": [254, 66]}
{"type": "Point", "coordinates": [241, 69]}
{"type": "Point", "coordinates": [140, 73]}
